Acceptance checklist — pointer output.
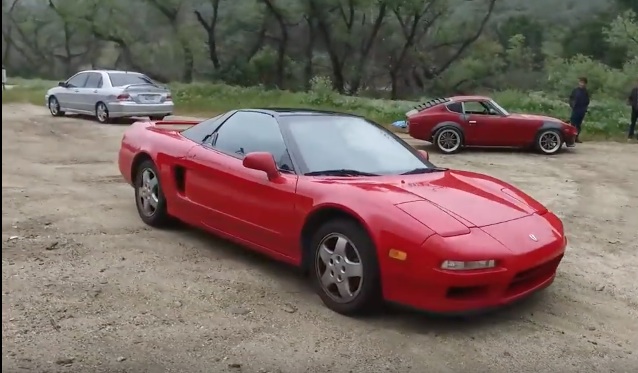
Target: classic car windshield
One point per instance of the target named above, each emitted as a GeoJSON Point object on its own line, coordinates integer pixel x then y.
{"type": "Point", "coordinates": [331, 142]}
{"type": "Point", "coordinates": [499, 107]}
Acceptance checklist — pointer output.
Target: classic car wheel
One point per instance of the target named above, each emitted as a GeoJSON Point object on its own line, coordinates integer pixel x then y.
{"type": "Point", "coordinates": [346, 270]}
{"type": "Point", "coordinates": [448, 140]}
{"type": "Point", "coordinates": [549, 142]}
{"type": "Point", "coordinates": [102, 113]}
{"type": "Point", "coordinates": [149, 199]}
{"type": "Point", "coordinates": [54, 107]}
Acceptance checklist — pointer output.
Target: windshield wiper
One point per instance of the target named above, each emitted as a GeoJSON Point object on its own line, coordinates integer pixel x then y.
{"type": "Point", "coordinates": [422, 170]}
{"type": "Point", "coordinates": [340, 172]}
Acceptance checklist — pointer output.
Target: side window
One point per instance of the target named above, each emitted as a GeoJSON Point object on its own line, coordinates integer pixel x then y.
{"type": "Point", "coordinates": [475, 107]}
{"type": "Point", "coordinates": [247, 132]}
{"type": "Point", "coordinates": [455, 107]}
{"type": "Point", "coordinates": [78, 81]}
{"type": "Point", "coordinates": [94, 80]}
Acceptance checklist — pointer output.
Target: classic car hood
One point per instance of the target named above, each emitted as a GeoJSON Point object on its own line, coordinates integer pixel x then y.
{"type": "Point", "coordinates": [473, 199]}
{"type": "Point", "coordinates": [534, 117]}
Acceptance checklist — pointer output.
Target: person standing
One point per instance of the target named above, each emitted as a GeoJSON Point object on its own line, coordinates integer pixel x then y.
{"type": "Point", "coordinates": [579, 102]}
{"type": "Point", "coordinates": [633, 103]}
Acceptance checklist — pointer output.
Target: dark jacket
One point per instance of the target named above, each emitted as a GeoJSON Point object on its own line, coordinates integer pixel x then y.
{"type": "Point", "coordinates": [579, 99]}
{"type": "Point", "coordinates": [633, 98]}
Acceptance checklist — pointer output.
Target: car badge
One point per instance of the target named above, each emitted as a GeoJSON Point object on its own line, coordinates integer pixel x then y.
{"type": "Point", "coordinates": [533, 238]}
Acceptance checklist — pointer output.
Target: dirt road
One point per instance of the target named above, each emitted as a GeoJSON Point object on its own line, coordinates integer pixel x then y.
{"type": "Point", "coordinates": [87, 287]}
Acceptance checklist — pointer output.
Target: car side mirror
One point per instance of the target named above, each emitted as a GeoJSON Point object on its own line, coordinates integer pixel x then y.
{"type": "Point", "coordinates": [62, 84]}
{"type": "Point", "coordinates": [424, 155]}
{"type": "Point", "coordinates": [262, 161]}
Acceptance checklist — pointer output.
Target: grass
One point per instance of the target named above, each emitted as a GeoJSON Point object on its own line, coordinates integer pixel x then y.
{"type": "Point", "coordinates": [607, 119]}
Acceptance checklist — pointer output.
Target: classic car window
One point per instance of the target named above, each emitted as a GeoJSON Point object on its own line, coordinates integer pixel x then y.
{"type": "Point", "coordinates": [122, 79]}
{"type": "Point", "coordinates": [94, 80]}
{"type": "Point", "coordinates": [477, 107]}
{"type": "Point", "coordinates": [78, 81]}
{"type": "Point", "coordinates": [249, 131]}
{"type": "Point", "coordinates": [455, 107]}
{"type": "Point", "coordinates": [203, 131]}
{"type": "Point", "coordinates": [331, 142]}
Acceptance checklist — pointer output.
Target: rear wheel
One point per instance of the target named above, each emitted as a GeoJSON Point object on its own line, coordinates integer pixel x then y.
{"type": "Point", "coordinates": [448, 140]}
{"type": "Point", "coordinates": [345, 268]}
{"type": "Point", "coordinates": [102, 113]}
{"type": "Point", "coordinates": [549, 142]}
{"type": "Point", "coordinates": [149, 198]}
{"type": "Point", "coordinates": [157, 118]}
{"type": "Point", "coordinates": [54, 107]}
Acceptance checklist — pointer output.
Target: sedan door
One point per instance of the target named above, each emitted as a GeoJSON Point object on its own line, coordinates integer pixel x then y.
{"type": "Point", "coordinates": [69, 97]}
{"type": "Point", "coordinates": [242, 202]}
{"type": "Point", "coordinates": [90, 94]}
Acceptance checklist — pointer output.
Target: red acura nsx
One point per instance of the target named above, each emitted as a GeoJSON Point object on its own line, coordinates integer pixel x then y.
{"type": "Point", "coordinates": [368, 217]}
{"type": "Point", "coordinates": [456, 122]}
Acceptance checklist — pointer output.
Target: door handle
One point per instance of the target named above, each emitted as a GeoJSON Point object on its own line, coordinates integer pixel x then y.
{"type": "Point", "coordinates": [472, 122]}
{"type": "Point", "coordinates": [95, 91]}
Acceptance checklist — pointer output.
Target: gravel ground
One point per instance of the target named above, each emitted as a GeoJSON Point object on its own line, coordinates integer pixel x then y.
{"type": "Point", "coordinates": [87, 287]}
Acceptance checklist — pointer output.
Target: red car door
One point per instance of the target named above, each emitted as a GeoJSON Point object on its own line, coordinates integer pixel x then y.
{"type": "Point", "coordinates": [486, 127]}
{"type": "Point", "coordinates": [242, 202]}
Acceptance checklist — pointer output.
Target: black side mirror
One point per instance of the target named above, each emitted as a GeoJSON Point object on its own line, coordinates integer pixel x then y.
{"type": "Point", "coordinates": [62, 84]}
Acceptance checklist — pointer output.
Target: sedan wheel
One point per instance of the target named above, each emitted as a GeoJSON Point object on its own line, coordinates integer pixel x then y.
{"type": "Point", "coordinates": [102, 113]}
{"type": "Point", "coordinates": [449, 140]}
{"type": "Point", "coordinates": [54, 107]}
{"type": "Point", "coordinates": [549, 142]}
{"type": "Point", "coordinates": [345, 267]}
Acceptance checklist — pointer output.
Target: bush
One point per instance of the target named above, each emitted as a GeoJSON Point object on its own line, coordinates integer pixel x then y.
{"type": "Point", "coordinates": [608, 116]}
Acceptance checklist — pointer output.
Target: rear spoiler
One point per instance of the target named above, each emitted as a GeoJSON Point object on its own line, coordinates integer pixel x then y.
{"type": "Point", "coordinates": [426, 105]}
{"type": "Point", "coordinates": [169, 125]}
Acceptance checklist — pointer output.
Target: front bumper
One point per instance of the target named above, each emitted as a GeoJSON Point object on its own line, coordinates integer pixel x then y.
{"type": "Point", "coordinates": [132, 109]}
{"type": "Point", "coordinates": [517, 275]}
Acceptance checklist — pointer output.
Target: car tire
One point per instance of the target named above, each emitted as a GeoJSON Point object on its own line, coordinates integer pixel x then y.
{"type": "Point", "coordinates": [54, 107]}
{"type": "Point", "coordinates": [102, 113]}
{"type": "Point", "coordinates": [348, 295]}
{"type": "Point", "coordinates": [149, 197]}
{"type": "Point", "coordinates": [157, 118]}
{"type": "Point", "coordinates": [448, 140]}
{"type": "Point", "coordinates": [549, 142]}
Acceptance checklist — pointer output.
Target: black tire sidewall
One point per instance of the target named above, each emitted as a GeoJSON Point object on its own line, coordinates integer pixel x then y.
{"type": "Point", "coordinates": [160, 217]}
{"type": "Point", "coordinates": [448, 128]}
{"type": "Point", "coordinates": [538, 145]}
{"type": "Point", "coordinates": [57, 104]}
{"type": "Point", "coordinates": [369, 297]}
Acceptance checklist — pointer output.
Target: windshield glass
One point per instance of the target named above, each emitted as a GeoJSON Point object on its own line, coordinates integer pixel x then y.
{"type": "Point", "coordinates": [499, 107]}
{"type": "Point", "coordinates": [341, 142]}
{"type": "Point", "coordinates": [122, 79]}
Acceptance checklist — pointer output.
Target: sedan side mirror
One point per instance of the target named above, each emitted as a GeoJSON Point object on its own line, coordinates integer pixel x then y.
{"type": "Point", "coordinates": [262, 161]}
{"type": "Point", "coordinates": [62, 84]}
{"type": "Point", "coordinates": [424, 154]}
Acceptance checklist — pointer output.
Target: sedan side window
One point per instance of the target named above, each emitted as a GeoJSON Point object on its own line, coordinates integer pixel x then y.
{"type": "Point", "coordinates": [94, 80]}
{"type": "Point", "coordinates": [249, 131]}
{"type": "Point", "coordinates": [78, 81]}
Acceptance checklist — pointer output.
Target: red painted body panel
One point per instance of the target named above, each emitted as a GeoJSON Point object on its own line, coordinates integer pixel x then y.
{"type": "Point", "coordinates": [514, 130]}
{"type": "Point", "coordinates": [451, 215]}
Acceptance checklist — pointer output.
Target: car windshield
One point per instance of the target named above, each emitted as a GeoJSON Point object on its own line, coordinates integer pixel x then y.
{"type": "Point", "coordinates": [122, 79]}
{"type": "Point", "coordinates": [352, 144]}
{"type": "Point", "coordinates": [499, 107]}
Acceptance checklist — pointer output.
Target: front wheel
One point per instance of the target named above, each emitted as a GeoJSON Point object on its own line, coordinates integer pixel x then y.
{"type": "Point", "coordinates": [54, 107]}
{"type": "Point", "coordinates": [549, 142]}
{"type": "Point", "coordinates": [448, 140]}
{"type": "Point", "coordinates": [345, 268]}
{"type": "Point", "coordinates": [149, 198]}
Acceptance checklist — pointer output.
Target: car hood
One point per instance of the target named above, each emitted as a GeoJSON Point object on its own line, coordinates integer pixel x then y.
{"type": "Point", "coordinates": [534, 117]}
{"type": "Point", "coordinates": [473, 199]}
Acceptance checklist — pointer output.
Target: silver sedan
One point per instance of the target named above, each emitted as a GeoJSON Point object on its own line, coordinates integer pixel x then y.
{"type": "Point", "coordinates": [109, 94]}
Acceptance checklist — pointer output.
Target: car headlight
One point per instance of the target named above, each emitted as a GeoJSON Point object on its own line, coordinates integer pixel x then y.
{"type": "Point", "coordinates": [456, 265]}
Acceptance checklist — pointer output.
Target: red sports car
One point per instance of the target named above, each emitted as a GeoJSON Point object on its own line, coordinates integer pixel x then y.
{"type": "Point", "coordinates": [366, 215]}
{"type": "Point", "coordinates": [455, 122]}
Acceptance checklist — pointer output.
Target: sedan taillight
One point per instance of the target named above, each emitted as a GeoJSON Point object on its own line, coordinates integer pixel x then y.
{"type": "Point", "coordinates": [169, 97]}
{"type": "Point", "coordinates": [123, 97]}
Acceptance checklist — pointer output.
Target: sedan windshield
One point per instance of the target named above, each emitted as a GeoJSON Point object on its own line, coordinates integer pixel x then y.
{"type": "Point", "coordinates": [350, 146]}
{"type": "Point", "coordinates": [499, 107]}
{"type": "Point", "coordinates": [122, 79]}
